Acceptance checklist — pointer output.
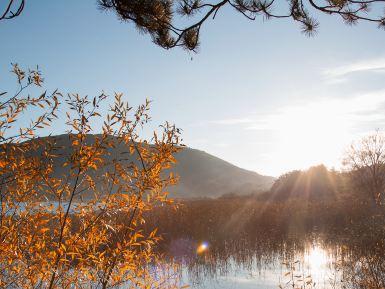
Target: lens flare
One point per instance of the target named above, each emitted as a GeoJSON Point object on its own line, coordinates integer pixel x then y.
{"type": "Point", "coordinates": [203, 247]}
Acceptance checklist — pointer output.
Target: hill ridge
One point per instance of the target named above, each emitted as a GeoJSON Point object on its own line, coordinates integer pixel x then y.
{"type": "Point", "coordinates": [201, 174]}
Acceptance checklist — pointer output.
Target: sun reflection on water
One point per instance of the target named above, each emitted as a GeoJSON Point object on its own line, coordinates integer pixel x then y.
{"type": "Point", "coordinates": [317, 258]}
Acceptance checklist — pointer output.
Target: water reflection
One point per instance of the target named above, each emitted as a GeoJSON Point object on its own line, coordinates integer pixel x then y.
{"type": "Point", "coordinates": [285, 245]}
{"type": "Point", "coordinates": [291, 263]}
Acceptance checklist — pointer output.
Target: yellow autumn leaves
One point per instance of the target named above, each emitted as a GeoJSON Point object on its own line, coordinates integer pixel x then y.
{"type": "Point", "coordinates": [72, 207]}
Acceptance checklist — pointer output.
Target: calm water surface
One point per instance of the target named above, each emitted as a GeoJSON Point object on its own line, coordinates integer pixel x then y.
{"type": "Point", "coordinates": [308, 264]}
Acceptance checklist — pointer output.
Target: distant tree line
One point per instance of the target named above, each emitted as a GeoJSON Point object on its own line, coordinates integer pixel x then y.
{"type": "Point", "coordinates": [313, 184]}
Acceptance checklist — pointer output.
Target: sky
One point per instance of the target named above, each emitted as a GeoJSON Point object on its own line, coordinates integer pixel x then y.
{"type": "Point", "coordinates": [260, 95]}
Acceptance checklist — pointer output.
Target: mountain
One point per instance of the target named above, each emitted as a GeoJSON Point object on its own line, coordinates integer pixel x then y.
{"type": "Point", "coordinates": [204, 175]}
{"type": "Point", "coordinates": [201, 174]}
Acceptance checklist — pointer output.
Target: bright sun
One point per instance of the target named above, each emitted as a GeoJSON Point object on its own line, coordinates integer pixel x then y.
{"type": "Point", "coordinates": [310, 135]}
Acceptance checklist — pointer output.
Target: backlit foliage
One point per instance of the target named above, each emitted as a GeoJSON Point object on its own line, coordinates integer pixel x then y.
{"type": "Point", "coordinates": [51, 236]}
{"type": "Point", "coordinates": [365, 161]}
{"type": "Point", "coordinates": [158, 17]}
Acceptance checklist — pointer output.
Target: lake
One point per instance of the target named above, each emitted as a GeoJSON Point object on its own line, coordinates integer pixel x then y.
{"type": "Point", "coordinates": [243, 243]}
{"type": "Point", "coordinates": [307, 262]}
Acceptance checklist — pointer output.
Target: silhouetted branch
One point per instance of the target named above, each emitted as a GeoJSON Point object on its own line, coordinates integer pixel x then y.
{"type": "Point", "coordinates": [157, 17]}
{"type": "Point", "coordinates": [12, 10]}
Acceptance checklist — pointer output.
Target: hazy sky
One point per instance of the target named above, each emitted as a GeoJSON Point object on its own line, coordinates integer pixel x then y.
{"type": "Point", "coordinates": [260, 94]}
